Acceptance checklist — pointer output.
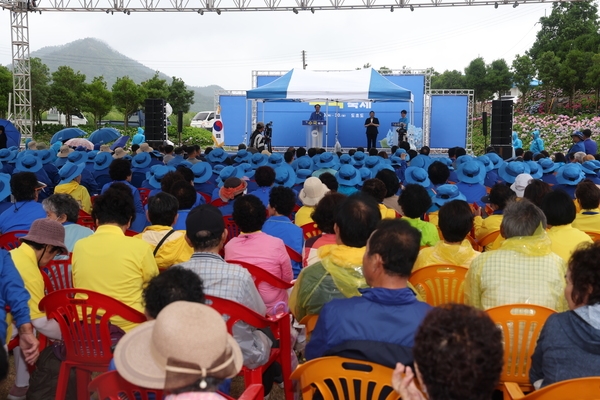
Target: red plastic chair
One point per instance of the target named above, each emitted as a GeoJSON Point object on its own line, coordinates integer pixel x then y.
{"type": "Point", "coordinates": [111, 386]}
{"type": "Point", "coordinates": [280, 326]}
{"type": "Point", "coordinates": [85, 219]}
{"type": "Point", "coordinates": [10, 240]}
{"type": "Point", "coordinates": [232, 229]}
{"type": "Point", "coordinates": [310, 230]}
{"type": "Point", "coordinates": [84, 325]}
{"type": "Point", "coordinates": [130, 233]}
{"type": "Point", "coordinates": [294, 255]}
{"type": "Point", "coordinates": [207, 197]}
{"type": "Point", "coordinates": [57, 275]}
{"type": "Point", "coordinates": [260, 275]}
{"type": "Point", "coordinates": [144, 193]}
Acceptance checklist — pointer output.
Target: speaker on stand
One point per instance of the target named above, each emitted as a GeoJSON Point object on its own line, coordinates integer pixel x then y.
{"type": "Point", "coordinates": [502, 120]}
{"type": "Point", "coordinates": [156, 127]}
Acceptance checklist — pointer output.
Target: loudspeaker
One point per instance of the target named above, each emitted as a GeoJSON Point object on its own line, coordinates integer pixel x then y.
{"type": "Point", "coordinates": [502, 118]}
{"type": "Point", "coordinates": [484, 123]}
{"type": "Point", "coordinates": [155, 119]}
{"type": "Point", "coordinates": [505, 152]}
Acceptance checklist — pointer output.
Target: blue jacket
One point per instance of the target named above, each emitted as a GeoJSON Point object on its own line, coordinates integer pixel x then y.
{"type": "Point", "coordinates": [263, 194]}
{"type": "Point", "coordinates": [20, 215]}
{"type": "Point", "coordinates": [570, 189]}
{"type": "Point", "coordinates": [568, 348]}
{"type": "Point", "coordinates": [537, 144]}
{"type": "Point", "coordinates": [591, 147]}
{"type": "Point", "coordinates": [379, 326]}
{"type": "Point", "coordinates": [12, 293]}
{"type": "Point", "coordinates": [579, 146]}
{"type": "Point", "coordinates": [281, 227]}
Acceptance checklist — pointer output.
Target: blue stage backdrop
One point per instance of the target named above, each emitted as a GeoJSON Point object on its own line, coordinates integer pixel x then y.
{"type": "Point", "coordinates": [233, 114]}
{"type": "Point", "coordinates": [449, 116]}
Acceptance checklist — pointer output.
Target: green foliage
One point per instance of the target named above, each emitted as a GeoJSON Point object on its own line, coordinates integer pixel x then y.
{"type": "Point", "coordinates": [40, 89]}
{"type": "Point", "coordinates": [127, 96]}
{"type": "Point", "coordinates": [548, 66]}
{"type": "Point", "coordinates": [475, 78]}
{"type": "Point", "coordinates": [180, 97]}
{"type": "Point", "coordinates": [97, 99]}
{"type": "Point", "coordinates": [593, 77]}
{"type": "Point", "coordinates": [191, 135]}
{"type": "Point", "coordinates": [156, 88]}
{"type": "Point", "coordinates": [448, 80]}
{"type": "Point", "coordinates": [5, 88]}
{"type": "Point", "coordinates": [523, 72]}
{"type": "Point", "coordinates": [66, 91]}
{"type": "Point", "coordinates": [498, 78]}
{"type": "Point", "coordinates": [573, 71]}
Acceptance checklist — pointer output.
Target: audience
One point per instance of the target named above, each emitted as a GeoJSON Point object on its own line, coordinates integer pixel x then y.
{"type": "Point", "coordinates": [63, 208]}
{"type": "Point", "coordinates": [392, 185]}
{"type": "Point", "coordinates": [70, 178]}
{"type": "Point", "coordinates": [588, 198]}
{"type": "Point", "coordinates": [536, 190]}
{"type": "Point", "coordinates": [500, 196]}
{"type": "Point", "coordinates": [415, 201]}
{"type": "Point", "coordinates": [310, 195]}
{"type": "Point", "coordinates": [377, 190]}
{"type": "Point", "coordinates": [25, 208]}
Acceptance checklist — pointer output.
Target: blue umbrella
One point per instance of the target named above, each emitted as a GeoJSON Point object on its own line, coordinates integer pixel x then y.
{"type": "Point", "coordinates": [13, 136]}
{"type": "Point", "coordinates": [104, 135]}
{"type": "Point", "coordinates": [65, 134]}
{"type": "Point", "coordinates": [120, 142]}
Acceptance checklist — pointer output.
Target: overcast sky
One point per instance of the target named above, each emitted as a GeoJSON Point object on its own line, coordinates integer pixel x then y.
{"type": "Point", "coordinates": [223, 50]}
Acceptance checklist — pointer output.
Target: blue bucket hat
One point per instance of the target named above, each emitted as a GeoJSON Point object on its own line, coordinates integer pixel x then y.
{"type": "Point", "coordinates": [578, 134]}
{"type": "Point", "coordinates": [302, 175]}
{"type": "Point", "coordinates": [217, 168]}
{"type": "Point", "coordinates": [275, 159]}
{"type": "Point", "coordinates": [326, 160]}
{"type": "Point", "coordinates": [416, 175]}
{"type": "Point", "coordinates": [202, 172]}
{"type": "Point", "coordinates": [346, 159]}
{"type": "Point", "coordinates": [259, 160]}
{"type": "Point", "coordinates": [46, 156]}
{"type": "Point", "coordinates": [463, 159]}
{"type": "Point", "coordinates": [446, 161]}
{"type": "Point", "coordinates": [242, 156]}
{"type": "Point", "coordinates": [509, 171]}
{"type": "Point", "coordinates": [420, 161]}
{"type": "Point", "coordinates": [591, 167]}
{"type": "Point", "coordinates": [246, 169]}
{"type": "Point", "coordinates": [159, 172]}
{"type": "Point", "coordinates": [471, 172]}
{"type": "Point", "coordinates": [217, 155]}
{"type": "Point", "coordinates": [183, 164]}
{"type": "Point", "coordinates": [359, 159]}
{"type": "Point", "coordinates": [305, 162]}
{"type": "Point", "coordinates": [228, 172]}
{"type": "Point", "coordinates": [447, 193]}
{"type": "Point", "coordinates": [285, 176]}
{"type": "Point", "coordinates": [70, 171]}
{"type": "Point", "coordinates": [535, 170]}
{"type": "Point", "coordinates": [570, 174]}
{"type": "Point", "coordinates": [6, 155]}
{"type": "Point", "coordinates": [365, 173]}
{"type": "Point", "coordinates": [547, 165]}
{"type": "Point", "coordinates": [372, 161]}
{"type": "Point", "coordinates": [487, 163]}
{"type": "Point", "coordinates": [379, 167]}
{"type": "Point", "coordinates": [495, 159]}
{"type": "Point", "coordinates": [77, 157]}
{"type": "Point", "coordinates": [4, 186]}
{"type": "Point", "coordinates": [348, 176]}
{"type": "Point", "coordinates": [91, 155]}
{"type": "Point", "coordinates": [399, 153]}
{"type": "Point", "coordinates": [141, 160]}
{"type": "Point", "coordinates": [395, 160]}
{"type": "Point", "coordinates": [29, 163]}
{"type": "Point", "coordinates": [102, 160]}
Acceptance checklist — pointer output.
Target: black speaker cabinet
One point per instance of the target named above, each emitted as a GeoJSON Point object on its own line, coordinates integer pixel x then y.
{"type": "Point", "coordinates": [155, 119]}
{"type": "Point", "coordinates": [502, 119]}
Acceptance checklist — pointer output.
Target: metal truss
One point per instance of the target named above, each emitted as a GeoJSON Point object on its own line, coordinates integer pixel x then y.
{"type": "Point", "coordinates": [22, 116]}
{"type": "Point", "coordinates": [470, 93]}
{"type": "Point", "coordinates": [219, 6]}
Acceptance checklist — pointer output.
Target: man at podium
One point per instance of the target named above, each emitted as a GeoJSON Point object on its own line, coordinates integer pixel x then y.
{"type": "Point", "coordinates": [317, 115]}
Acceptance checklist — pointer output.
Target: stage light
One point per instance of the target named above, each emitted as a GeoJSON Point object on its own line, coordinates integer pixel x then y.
{"type": "Point", "coordinates": [218, 12]}
{"type": "Point", "coordinates": [392, 9]}
{"type": "Point", "coordinates": [201, 12]}
{"type": "Point", "coordinates": [496, 5]}
{"type": "Point", "coordinates": [312, 10]}
{"type": "Point", "coordinates": [516, 4]}
{"type": "Point", "coordinates": [412, 8]}
{"type": "Point", "coordinates": [295, 11]}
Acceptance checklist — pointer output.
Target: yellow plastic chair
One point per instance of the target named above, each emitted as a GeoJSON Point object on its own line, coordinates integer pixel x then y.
{"type": "Point", "coordinates": [309, 321]}
{"type": "Point", "coordinates": [572, 389]}
{"type": "Point", "coordinates": [440, 284]}
{"type": "Point", "coordinates": [521, 325]}
{"type": "Point", "coordinates": [344, 379]}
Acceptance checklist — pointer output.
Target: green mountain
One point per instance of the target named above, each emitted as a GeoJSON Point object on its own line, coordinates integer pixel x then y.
{"type": "Point", "coordinates": [93, 57]}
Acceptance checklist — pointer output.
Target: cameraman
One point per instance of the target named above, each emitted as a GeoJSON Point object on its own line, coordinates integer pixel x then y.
{"type": "Point", "coordinates": [403, 128]}
{"type": "Point", "coordinates": [257, 139]}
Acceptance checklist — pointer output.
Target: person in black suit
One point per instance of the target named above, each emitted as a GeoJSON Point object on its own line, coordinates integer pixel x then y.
{"type": "Point", "coordinates": [371, 124]}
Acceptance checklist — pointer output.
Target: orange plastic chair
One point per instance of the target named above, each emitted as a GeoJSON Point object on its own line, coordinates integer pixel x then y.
{"type": "Point", "coordinates": [232, 229]}
{"type": "Point", "coordinates": [595, 236]}
{"type": "Point", "coordinates": [84, 325]}
{"type": "Point", "coordinates": [489, 238]}
{"type": "Point", "coordinates": [86, 220]}
{"type": "Point", "coordinates": [521, 325]}
{"type": "Point", "coordinates": [294, 255]}
{"type": "Point", "coordinates": [572, 389]}
{"type": "Point", "coordinates": [280, 326]}
{"type": "Point", "coordinates": [10, 240]}
{"type": "Point", "coordinates": [309, 321]}
{"type": "Point", "coordinates": [57, 275]}
{"type": "Point", "coordinates": [260, 275]}
{"type": "Point", "coordinates": [343, 378]}
{"type": "Point", "coordinates": [111, 386]}
{"type": "Point", "coordinates": [310, 230]}
{"type": "Point", "coordinates": [440, 284]}
{"type": "Point", "coordinates": [144, 193]}
{"type": "Point", "coordinates": [476, 246]}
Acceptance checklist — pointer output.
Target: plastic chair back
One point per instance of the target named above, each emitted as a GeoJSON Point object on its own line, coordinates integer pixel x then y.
{"type": "Point", "coordinates": [57, 275]}
{"type": "Point", "coordinates": [85, 219]}
{"type": "Point", "coordinates": [10, 240]}
{"type": "Point", "coordinates": [594, 236]}
{"type": "Point", "coordinates": [489, 238]}
{"type": "Point", "coordinates": [342, 378]}
{"type": "Point", "coordinates": [144, 193]}
{"type": "Point", "coordinates": [205, 196]}
{"type": "Point", "coordinates": [476, 246]}
{"type": "Point", "coordinates": [440, 284]}
{"type": "Point", "coordinates": [130, 233]}
{"type": "Point", "coordinates": [279, 324]}
{"type": "Point", "coordinates": [521, 325]}
{"type": "Point", "coordinates": [294, 255]}
{"type": "Point", "coordinates": [572, 389]}
{"type": "Point", "coordinates": [111, 386]}
{"type": "Point", "coordinates": [232, 229]}
{"type": "Point", "coordinates": [309, 321]}
{"type": "Point", "coordinates": [260, 275]}
{"type": "Point", "coordinates": [310, 230]}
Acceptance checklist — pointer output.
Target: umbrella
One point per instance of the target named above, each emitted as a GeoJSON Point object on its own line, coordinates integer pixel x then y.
{"type": "Point", "coordinates": [13, 136]}
{"type": "Point", "coordinates": [65, 134]}
{"type": "Point", "coordinates": [76, 142]}
{"type": "Point", "coordinates": [120, 142]}
{"type": "Point", "coordinates": [104, 135]}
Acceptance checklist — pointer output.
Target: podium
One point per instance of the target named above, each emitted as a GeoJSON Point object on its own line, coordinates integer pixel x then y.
{"type": "Point", "coordinates": [314, 133]}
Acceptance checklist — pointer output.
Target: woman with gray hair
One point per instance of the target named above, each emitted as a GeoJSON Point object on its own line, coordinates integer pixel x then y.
{"type": "Point", "coordinates": [63, 208]}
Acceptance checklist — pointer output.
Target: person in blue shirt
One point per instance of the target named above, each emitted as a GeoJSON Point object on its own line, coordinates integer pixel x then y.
{"type": "Point", "coordinates": [578, 144]}
{"type": "Point", "coordinates": [591, 147]}
{"type": "Point", "coordinates": [567, 178]}
{"type": "Point", "coordinates": [281, 204]}
{"type": "Point", "coordinates": [25, 208]}
{"type": "Point", "coordinates": [87, 177]}
{"type": "Point", "coordinates": [265, 178]}
{"type": "Point", "coordinates": [403, 128]}
{"type": "Point", "coordinates": [186, 196]}
{"type": "Point", "coordinates": [390, 313]}
{"type": "Point", "coordinates": [139, 137]}
{"type": "Point", "coordinates": [516, 142]}
{"type": "Point", "coordinates": [317, 115]}
{"type": "Point", "coordinates": [537, 144]}
{"type": "Point", "coordinates": [471, 175]}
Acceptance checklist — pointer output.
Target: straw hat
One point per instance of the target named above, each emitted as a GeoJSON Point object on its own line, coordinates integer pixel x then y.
{"type": "Point", "coordinates": [314, 190]}
{"type": "Point", "coordinates": [144, 148]}
{"type": "Point", "coordinates": [47, 231]}
{"type": "Point", "coordinates": [119, 153]}
{"type": "Point", "coordinates": [64, 151]}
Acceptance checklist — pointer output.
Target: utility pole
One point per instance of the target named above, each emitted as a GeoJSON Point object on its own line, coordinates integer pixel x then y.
{"type": "Point", "coordinates": [304, 59]}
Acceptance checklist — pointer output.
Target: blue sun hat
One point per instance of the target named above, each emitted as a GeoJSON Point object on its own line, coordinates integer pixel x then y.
{"type": "Point", "coordinates": [381, 166]}
{"type": "Point", "coordinates": [217, 155]}
{"type": "Point", "coordinates": [365, 174]}
{"type": "Point", "coordinates": [487, 163]}
{"type": "Point", "coordinates": [446, 193]}
{"type": "Point", "coordinates": [348, 176]}
{"type": "Point", "coordinates": [91, 155]}
{"type": "Point", "coordinates": [202, 172]}
{"type": "Point", "coordinates": [326, 160]}
{"type": "Point", "coordinates": [346, 159]}
{"type": "Point", "coordinates": [77, 157]}
{"type": "Point", "coordinates": [395, 160]}
{"type": "Point", "coordinates": [259, 160]}
{"type": "Point", "coordinates": [570, 174]}
{"type": "Point", "coordinates": [159, 172]}
{"type": "Point", "coordinates": [495, 159]}
{"type": "Point", "coordinates": [141, 160]}
{"type": "Point", "coordinates": [446, 161]}
{"type": "Point", "coordinates": [547, 165]}
{"type": "Point", "coordinates": [372, 161]}
{"type": "Point", "coordinates": [6, 155]}
{"type": "Point", "coordinates": [46, 156]}
{"type": "Point", "coordinates": [471, 172]}
{"type": "Point", "coordinates": [4, 186]}
{"type": "Point", "coordinates": [591, 167]}
{"type": "Point", "coordinates": [246, 169]}
{"type": "Point", "coordinates": [535, 170]}
{"type": "Point", "coordinates": [70, 171]}
{"type": "Point", "coordinates": [359, 159]}
{"type": "Point", "coordinates": [463, 159]}
{"type": "Point", "coordinates": [216, 169]}
{"type": "Point", "coordinates": [399, 153]}
{"type": "Point", "coordinates": [421, 161]}
{"type": "Point", "coordinates": [242, 156]}
{"type": "Point", "coordinates": [183, 164]}
{"type": "Point", "coordinates": [29, 163]}
{"type": "Point", "coordinates": [418, 176]}
{"type": "Point", "coordinates": [509, 171]}
{"type": "Point", "coordinates": [285, 176]}
{"type": "Point", "coordinates": [305, 162]}
{"type": "Point", "coordinates": [302, 175]}
{"type": "Point", "coordinates": [102, 161]}
{"type": "Point", "coordinates": [228, 172]}
{"type": "Point", "coordinates": [275, 160]}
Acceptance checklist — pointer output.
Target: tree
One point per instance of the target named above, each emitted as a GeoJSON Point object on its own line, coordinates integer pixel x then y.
{"type": "Point", "coordinates": [548, 66]}
{"type": "Point", "coordinates": [6, 87]}
{"type": "Point", "coordinates": [570, 26]}
{"type": "Point", "coordinates": [66, 91]}
{"type": "Point", "coordinates": [156, 88]}
{"type": "Point", "coordinates": [97, 99]}
{"type": "Point", "coordinates": [40, 89]}
{"type": "Point", "coordinates": [523, 72]}
{"type": "Point", "coordinates": [593, 76]}
{"type": "Point", "coordinates": [498, 78]}
{"type": "Point", "coordinates": [572, 73]}
{"type": "Point", "coordinates": [475, 79]}
{"type": "Point", "coordinates": [179, 97]}
{"type": "Point", "coordinates": [448, 80]}
{"type": "Point", "coordinates": [127, 96]}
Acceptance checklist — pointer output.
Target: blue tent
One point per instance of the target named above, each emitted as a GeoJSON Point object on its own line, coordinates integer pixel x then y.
{"type": "Point", "coordinates": [359, 85]}
{"type": "Point", "coordinates": [13, 136]}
